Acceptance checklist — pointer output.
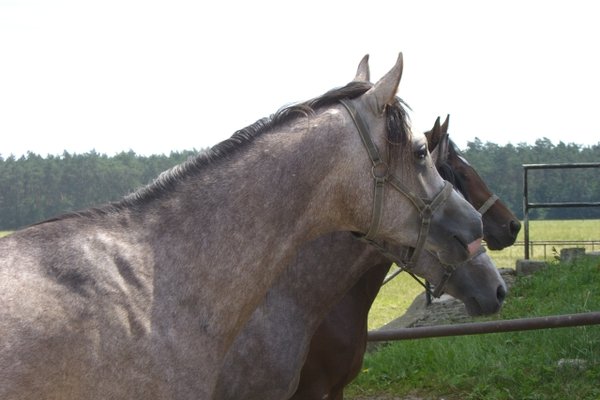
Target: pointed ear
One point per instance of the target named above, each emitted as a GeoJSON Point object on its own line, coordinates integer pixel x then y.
{"type": "Point", "coordinates": [445, 124]}
{"type": "Point", "coordinates": [384, 91]}
{"type": "Point", "coordinates": [440, 153]}
{"type": "Point", "coordinates": [362, 73]}
{"type": "Point", "coordinates": [433, 136]}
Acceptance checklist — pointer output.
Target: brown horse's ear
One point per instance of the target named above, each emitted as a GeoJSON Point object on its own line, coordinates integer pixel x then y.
{"type": "Point", "coordinates": [433, 136]}
{"type": "Point", "coordinates": [439, 143]}
{"type": "Point", "coordinates": [445, 124]}
{"type": "Point", "coordinates": [440, 153]}
{"type": "Point", "coordinates": [362, 73]}
{"type": "Point", "coordinates": [384, 91]}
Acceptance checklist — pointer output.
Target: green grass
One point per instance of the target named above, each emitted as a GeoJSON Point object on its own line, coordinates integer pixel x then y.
{"type": "Point", "coordinates": [4, 233]}
{"type": "Point", "coordinates": [393, 300]}
{"type": "Point", "coordinates": [517, 365]}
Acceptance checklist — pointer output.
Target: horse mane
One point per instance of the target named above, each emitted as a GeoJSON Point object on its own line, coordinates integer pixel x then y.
{"type": "Point", "coordinates": [447, 172]}
{"type": "Point", "coordinates": [398, 133]}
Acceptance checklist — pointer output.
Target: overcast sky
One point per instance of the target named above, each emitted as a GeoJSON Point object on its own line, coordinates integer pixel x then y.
{"type": "Point", "coordinates": [157, 76]}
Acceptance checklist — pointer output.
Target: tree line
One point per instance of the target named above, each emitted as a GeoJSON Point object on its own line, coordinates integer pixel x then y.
{"type": "Point", "coordinates": [33, 188]}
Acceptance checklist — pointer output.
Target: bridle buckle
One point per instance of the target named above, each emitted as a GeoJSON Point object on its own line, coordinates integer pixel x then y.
{"type": "Point", "coordinates": [380, 171]}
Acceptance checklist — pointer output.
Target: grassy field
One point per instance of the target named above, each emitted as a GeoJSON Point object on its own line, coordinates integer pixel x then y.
{"type": "Point", "coordinates": [545, 364]}
{"type": "Point", "coordinates": [395, 297]}
{"type": "Point", "coordinates": [548, 230]}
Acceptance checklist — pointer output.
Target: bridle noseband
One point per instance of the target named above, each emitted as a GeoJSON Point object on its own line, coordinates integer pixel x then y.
{"type": "Point", "coordinates": [381, 176]}
{"type": "Point", "coordinates": [488, 204]}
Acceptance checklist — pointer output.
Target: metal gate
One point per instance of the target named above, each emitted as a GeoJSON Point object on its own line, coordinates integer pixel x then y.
{"type": "Point", "coordinates": [527, 205]}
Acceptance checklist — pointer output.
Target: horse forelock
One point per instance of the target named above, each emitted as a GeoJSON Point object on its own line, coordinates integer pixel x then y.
{"type": "Point", "coordinates": [398, 123]}
{"type": "Point", "coordinates": [399, 133]}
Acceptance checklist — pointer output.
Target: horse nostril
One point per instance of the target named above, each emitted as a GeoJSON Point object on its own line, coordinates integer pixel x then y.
{"type": "Point", "coordinates": [514, 227]}
{"type": "Point", "coordinates": [501, 294]}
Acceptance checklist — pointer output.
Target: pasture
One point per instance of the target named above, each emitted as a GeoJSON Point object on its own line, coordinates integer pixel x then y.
{"type": "Point", "coordinates": [545, 364]}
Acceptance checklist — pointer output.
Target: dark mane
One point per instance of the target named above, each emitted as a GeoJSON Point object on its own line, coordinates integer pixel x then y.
{"type": "Point", "coordinates": [398, 133]}
{"type": "Point", "coordinates": [241, 138]}
{"type": "Point", "coordinates": [447, 173]}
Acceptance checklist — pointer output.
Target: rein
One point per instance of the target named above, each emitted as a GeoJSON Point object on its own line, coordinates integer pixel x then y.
{"type": "Point", "coordinates": [381, 176]}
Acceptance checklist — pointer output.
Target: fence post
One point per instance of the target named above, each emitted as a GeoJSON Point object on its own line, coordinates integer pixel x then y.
{"type": "Point", "coordinates": [526, 211]}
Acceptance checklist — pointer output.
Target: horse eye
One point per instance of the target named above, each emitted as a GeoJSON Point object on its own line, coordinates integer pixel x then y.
{"type": "Point", "coordinates": [421, 154]}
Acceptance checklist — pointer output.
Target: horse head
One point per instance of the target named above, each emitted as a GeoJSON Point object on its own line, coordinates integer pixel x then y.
{"type": "Point", "coordinates": [407, 179]}
{"type": "Point", "coordinates": [500, 225]}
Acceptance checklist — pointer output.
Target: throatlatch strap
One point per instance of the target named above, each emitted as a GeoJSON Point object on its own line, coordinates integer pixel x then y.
{"type": "Point", "coordinates": [362, 131]}
{"type": "Point", "coordinates": [379, 170]}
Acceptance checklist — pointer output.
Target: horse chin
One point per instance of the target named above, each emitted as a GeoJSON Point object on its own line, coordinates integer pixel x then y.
{"type": "Point", "coordinates": [477, 309]}
{"type": "Point", "coordinates": [454, 256]}
{"type": "Point", "coordinates": [497, 240]}
{"type": "Point", "coordinates": [493, 243]}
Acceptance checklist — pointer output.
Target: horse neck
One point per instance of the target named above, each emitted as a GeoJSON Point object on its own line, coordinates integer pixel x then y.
{"type": "Point", "coordinates": [234, 225]}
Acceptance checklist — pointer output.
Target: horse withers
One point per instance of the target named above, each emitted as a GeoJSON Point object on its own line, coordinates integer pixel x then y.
{"type": "Point", "coordinates": [142, 298]}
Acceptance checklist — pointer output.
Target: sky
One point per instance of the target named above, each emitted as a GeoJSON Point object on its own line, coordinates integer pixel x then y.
{"type": "Point", "coordinates": [161, 76]}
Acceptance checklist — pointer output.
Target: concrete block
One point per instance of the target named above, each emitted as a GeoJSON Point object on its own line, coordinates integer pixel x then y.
{"type": "Point", "coordinates": [571, 254]}
{"type": "Point", "coordinates": [528, 267]}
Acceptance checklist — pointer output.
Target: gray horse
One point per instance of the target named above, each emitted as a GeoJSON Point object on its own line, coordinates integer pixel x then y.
{"type": "Point", "coordinates": [141, 299]}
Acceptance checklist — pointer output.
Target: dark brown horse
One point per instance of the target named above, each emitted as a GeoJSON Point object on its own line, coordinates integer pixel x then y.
{"type": "Point", "coordinates": [338, 346]}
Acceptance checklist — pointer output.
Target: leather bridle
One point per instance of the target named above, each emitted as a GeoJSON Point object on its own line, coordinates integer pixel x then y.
{"type": "Point", "coordinates": [381, 177]}
{"type": "Point", "coordinates": [426, 208]}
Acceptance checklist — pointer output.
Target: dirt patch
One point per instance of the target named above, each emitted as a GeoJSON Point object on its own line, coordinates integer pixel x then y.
{"type": "Point", "coordinates": [442, 311]}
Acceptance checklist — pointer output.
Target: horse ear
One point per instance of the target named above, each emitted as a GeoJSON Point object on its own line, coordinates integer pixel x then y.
{"type": "Point", "coordinates": [384, 91]}
{"type": "Point", "coordinates": [443, 149]}
{"type": "Point", "coordinates": [439, 140]}
{"type": "Point", "coordinates": [445, 124]}
{"type": "Point", "coordinates": [433, 136]}
{"type": "Point", "coordinates": [362, 73]}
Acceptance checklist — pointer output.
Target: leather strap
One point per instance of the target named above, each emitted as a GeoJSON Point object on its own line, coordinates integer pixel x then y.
{"type": "Point", "coordinates": [381, 176]}
{"type": "Point", "coordinates": [488, 204]}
